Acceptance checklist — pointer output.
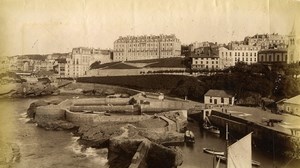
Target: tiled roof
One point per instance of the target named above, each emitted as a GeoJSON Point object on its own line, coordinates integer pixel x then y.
{"type": "Point", "coordinates": [219, 93]}
{"type": "Point", "coordinates": [293, 100]}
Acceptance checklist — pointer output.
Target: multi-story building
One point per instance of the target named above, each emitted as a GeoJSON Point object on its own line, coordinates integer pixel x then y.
{"type": "Point", "coordinates": [146, 47]}
{"type": "Point", "coordinates": [82, 58]}
{"type": "Point", "coordinates": [196, 44]}
{"type": "Point", "coordinates": [205, 58]}
{"type": "Point", "coordinates": [226, 58]}
{"type": "Point", "coordinates": [266, 41]}
{"type": "Point", "coordinates": [238, 53]}
{"type": "Point", "coordinates": [272, 56]}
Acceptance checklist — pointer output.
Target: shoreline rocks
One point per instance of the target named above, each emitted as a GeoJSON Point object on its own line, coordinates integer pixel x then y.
{"type": "Point", "coordinates": [9, 154]}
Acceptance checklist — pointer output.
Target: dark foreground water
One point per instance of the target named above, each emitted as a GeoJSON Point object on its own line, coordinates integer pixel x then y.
{"type": "Point", "coordinates": [46, 149]}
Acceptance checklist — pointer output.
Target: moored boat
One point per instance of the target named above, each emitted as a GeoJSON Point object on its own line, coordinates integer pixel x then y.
{"type": "Point", "coordinates": [213, 152]}
{"type": "Point", "coordinates": [224, 160]}
{"type": "Point", "coordinates": [211, 128]}
{"type": "Point", "coordinates": [189, 136]}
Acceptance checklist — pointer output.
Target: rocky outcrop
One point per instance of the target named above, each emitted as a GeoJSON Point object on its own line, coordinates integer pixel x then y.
{"type": "Point", "coordinates": [57, 125]}
{"type": "Point", "coordinates": [122, 151]}
{"type": "Point", "coordinates": [32, 108]}
{"type": "Point", "coordinates": [98, 135]}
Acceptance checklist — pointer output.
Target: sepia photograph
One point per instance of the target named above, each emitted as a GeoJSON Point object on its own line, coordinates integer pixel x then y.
{"type": "Point", "coordinates": [150, 84]}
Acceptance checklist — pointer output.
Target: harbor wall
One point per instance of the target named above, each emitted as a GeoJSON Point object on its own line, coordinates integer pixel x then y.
{"type": "Point", "coordinates": [117, 108]}
{"type": "Point", "coordinates": [81, 118]}
{"type": "Point", "coordinates": [263, 136]}
{"type": "Point", "coordinates": [50, 112]}
{"type": "Point", "coordinates": [162, 106]}
{"type": "Point", "coordinates": [101, 101]}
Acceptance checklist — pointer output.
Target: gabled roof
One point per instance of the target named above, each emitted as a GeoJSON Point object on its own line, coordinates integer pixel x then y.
{"type": "Point", "coordinates": [293, 100]}
{"type": "Point", "coordinates": [219, 93]}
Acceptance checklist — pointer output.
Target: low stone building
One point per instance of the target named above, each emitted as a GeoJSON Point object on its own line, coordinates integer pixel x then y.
{"type": "Point", "coordinates": [291, 105]}
{"type": "Point", "coordinates": [218, 97]}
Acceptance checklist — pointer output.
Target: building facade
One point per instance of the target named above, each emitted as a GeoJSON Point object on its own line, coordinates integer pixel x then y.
{"type": "Point", "coordinates": [272, 56]}
{"type": "Point", "coordinates": [238, 53]}
{"type": "Point", "coordinates": [205, 58]}
{"type": "Point", "coordinates": [218, 97]}
{"type": "Point", "coordinates": [292, 105]}
{"type": "Point", "coordinates": [82, 58]}
{"type": "Point", "coordinates": [265, 41]}
{"type": "Point", "coordinates": [293, 47]}
{"type": "Point", "coordinates": [146, 47]}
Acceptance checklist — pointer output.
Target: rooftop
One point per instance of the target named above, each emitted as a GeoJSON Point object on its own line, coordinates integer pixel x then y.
{"type": "Point", "coordinates": [293, 100]}
{"type": "Point", "coordinates": [219, 93]}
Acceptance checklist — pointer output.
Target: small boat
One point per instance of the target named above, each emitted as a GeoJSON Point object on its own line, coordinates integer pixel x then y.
{"type": "Point", "coordinates": [211, 128]}
{"type": "Point", "coordinates": [189, 136]}
{"type": "Point", "coordinates": [213, 152]}
{"type": "Point", "coordinates": [224, 160]}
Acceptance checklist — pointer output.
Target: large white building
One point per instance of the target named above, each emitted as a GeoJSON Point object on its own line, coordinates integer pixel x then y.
{"type": "Point", "coordinates": [205, 58]}
{"type": "Point", "coordinates": [82, 58]}
{"type": "Point", "coordinates": [146, 47]}
{"type": "Point", "coordinates": [238, 53]}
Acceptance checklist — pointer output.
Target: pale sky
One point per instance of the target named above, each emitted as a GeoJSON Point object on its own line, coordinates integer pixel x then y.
{"type": "Point", "coordinates": [48, 26]}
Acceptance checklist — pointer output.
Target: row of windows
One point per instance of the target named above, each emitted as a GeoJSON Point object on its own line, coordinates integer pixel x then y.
{"type": "Point", "coordinates": [201, 62]}
{"type": "Point", "coordinates": [246, 59]}
{"type": "Point", "coordinates": [239, 53]}
{"type": "Point", "coordinates": [141, 44]}
{"type": "Point", "coordinates": [147, 40]}
{"type": "Point", "coordinates": [205, 66]}
{"type": "Point", "coordinates": [206, 58]}
{"type": "Point", "coordinates": [148, 53]}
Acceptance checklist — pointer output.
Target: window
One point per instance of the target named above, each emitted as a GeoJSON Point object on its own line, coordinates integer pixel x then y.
{"type": "Point", "coordinates": [230, 100]}
{"type": "Point", "coordinates": [222, 100]}
{"type": "Point", "coordinates": [210, 100]}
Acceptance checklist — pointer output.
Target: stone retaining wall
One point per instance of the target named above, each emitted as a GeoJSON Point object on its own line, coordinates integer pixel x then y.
{"type": "Point", "coordinates": [80, 118]}
{"type": "Point", "coordinates": [101, 101]}
{"type": "Point", "coordinates": [119, 109]}
{"type": "Point", "coordinates": [51, 112]}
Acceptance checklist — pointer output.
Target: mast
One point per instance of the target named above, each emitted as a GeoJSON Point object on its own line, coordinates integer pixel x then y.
{"type": "Point", "coordinates": [226, 153]}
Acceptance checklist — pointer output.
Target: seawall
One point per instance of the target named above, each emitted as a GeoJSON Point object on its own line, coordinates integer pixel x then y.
{"type": "Point", "coordinates": [263, 136]}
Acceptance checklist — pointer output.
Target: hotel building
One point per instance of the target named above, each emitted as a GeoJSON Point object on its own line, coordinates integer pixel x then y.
{"type": "Point", "coordinates": [146, 47]}
{"type": "Point", "coordinates": [238, 53]}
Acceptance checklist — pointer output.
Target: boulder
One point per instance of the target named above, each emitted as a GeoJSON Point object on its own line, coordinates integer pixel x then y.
{"type": "Point", "coordinates": [32, 108]}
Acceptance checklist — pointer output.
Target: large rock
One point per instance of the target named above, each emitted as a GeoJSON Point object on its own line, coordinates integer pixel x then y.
{"type": "Point", "coordinates": [121, 152]}
{"type": "Point", "coordinates": [32, 108]}
{"type": "Point", "coordinates": [98, 135]}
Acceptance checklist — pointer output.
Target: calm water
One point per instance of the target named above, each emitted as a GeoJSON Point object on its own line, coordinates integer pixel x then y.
{"type": "Point", "coordinates": [194, 156]}
{"type": "Point", "coordinates": [44, 149]}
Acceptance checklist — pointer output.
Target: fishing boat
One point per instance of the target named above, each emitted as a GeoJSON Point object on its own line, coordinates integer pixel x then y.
{"type": "Point", "coordinates": [239, 154]}
{"type": "Point", "coordinates": [213, 152]}
{"type": "Point", "coordinates": [189, 136]}
{"type": "Point", "coordinates": [224, 160]}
